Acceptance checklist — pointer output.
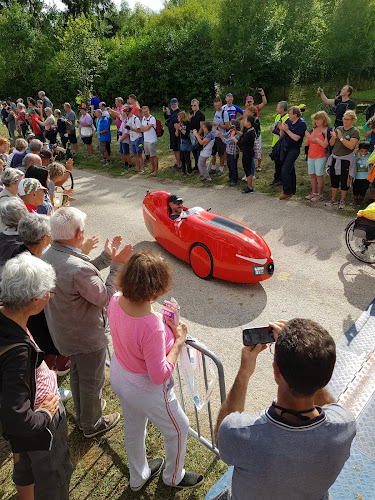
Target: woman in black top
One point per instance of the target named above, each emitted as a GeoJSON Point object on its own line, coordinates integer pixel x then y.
{"type": "Point", "coordinates": [246, 145]}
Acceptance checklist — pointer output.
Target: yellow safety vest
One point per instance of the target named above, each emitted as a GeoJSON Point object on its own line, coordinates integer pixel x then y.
{"type": "Point", "coordinates": [278, 117]}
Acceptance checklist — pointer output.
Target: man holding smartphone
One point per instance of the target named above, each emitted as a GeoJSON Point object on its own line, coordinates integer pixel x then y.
{"type": "Point", "coordinates": [297, 447]}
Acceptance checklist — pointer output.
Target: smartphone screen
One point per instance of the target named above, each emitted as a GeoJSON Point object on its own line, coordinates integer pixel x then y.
{"type": "Point", "coordinates": [65, 199]}
{"type": "Point", "coordinates": [258, 335]}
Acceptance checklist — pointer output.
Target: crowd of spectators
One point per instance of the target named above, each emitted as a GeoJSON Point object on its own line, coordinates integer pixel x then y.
{"type": "Point", "coordinates": [196, 142]}
{"type": "Point", "coordinates": [48, 276]}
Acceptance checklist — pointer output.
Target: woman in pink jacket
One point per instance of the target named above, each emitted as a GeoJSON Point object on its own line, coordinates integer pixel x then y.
{"type": "Point", "coordinates": [145, 354]}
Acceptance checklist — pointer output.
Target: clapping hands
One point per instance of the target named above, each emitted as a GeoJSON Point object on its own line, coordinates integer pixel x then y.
{"type": "Point", "coordinates": [112, 247]}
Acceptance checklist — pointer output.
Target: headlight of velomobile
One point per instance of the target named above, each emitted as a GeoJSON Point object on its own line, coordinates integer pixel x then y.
{"type": "Point", "coordinates": [270, 268]}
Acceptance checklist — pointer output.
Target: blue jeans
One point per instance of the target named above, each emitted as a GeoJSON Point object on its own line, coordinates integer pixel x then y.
{"type": "Point", "coordinates": [288, 171]}
{"type": "Point", "coordinates": [232, 167]}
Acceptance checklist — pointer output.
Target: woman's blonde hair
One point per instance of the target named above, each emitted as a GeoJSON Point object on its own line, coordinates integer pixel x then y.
{"type": "Point", "coordinates": [183, 117]}
{"type": "Point", "coordinates": [351, 113]}
{"type": "Point", "coordinates": [321, 115]}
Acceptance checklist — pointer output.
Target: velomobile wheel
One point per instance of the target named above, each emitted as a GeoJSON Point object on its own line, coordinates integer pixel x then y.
{"type": "Point", "coordinates": [362, 249]}
{"type": "Point", "coordinates": [201, 261]}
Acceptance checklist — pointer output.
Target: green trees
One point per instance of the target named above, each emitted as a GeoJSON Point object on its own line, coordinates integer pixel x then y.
{"type": "Point", "coordinates": [190, 48]}
{"type": "Point", "coordinates": [79, 61]}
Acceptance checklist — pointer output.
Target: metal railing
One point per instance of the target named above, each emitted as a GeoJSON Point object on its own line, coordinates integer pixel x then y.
{"type": "Point", "coordinates": [192, 343]}
{"type": "Point", "coordinates": [195, 344]}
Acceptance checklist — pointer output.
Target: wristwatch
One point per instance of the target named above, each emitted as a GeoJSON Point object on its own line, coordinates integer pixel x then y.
{"type": "Point", "coordinates": [341, 139]}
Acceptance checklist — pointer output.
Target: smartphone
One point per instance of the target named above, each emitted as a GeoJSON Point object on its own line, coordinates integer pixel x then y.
{"type": "Point", "coordinates": [258, 335]}
{"type": "Point", "coordinates": [65, 199]}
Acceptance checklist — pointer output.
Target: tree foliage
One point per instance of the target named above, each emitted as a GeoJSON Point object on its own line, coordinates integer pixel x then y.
{"type": "Point", "coordinates": [190, 48]}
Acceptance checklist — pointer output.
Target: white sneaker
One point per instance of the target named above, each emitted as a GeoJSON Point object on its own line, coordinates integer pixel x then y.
{"type": "Point", "coordinates": [64, 394]}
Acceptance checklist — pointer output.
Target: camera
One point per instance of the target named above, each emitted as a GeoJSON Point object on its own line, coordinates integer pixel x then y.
{"type": "Point", "coordinates": [258, 335]}
{"type": "Point", "coordinates": [127, 127]}
{"type": "Point", "coordinates": [258, 90]}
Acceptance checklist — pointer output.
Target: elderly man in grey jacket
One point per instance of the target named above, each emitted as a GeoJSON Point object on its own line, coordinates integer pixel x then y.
{"type": "Point", "coordinates": [76, 316]}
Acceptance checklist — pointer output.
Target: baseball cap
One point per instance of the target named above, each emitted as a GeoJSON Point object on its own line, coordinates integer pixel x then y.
{"type": "Point", "coordinates": [129, 108]}
{"type": "Point", "coordinates": [174, 100]}
{"type": "Point", "coordinates": [249, 98]}
{"type": "Point", "coordinates": [175, 198]}
{"type": "Point", "coordinates": [229, 94]}
{"type": "Point", "coordinates": [27, 186]}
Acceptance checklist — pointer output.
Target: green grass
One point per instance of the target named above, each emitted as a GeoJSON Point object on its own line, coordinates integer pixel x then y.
{"type": "Point", "coordinates": [100, 465]}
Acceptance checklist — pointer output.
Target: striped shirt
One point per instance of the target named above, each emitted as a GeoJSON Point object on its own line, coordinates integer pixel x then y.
{"type": "Point", "coordinates": [46, 382]}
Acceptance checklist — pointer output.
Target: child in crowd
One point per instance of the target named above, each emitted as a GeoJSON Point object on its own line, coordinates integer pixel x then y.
{"type": "Point", "coordinates": [208, 143]}
{"type": "Point", "coordinates": [361, 184]}
{"type": "Point", "coordinates": [124, 141]}
{"type": "Point", "coordinates": [183, 132]}
{"type": "Point", "coordinates": [232, 151]}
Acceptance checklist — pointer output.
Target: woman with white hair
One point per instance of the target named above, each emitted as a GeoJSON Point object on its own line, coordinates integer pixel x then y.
{"type": "Point", "coordinates": [50, 131]}
{"type": "Point", "coordinates": [10, 177]}
{"type": "Point", "coordinates": [33, 419]}
{"type": "Point", "coordinates": [11, 212]}
{"type": "Point", "coordinates": [34, 231]}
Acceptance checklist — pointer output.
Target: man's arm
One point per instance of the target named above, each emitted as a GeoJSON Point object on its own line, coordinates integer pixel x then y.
{"type": "Point", "coordinates": [325, 99]}
{"type": "Point", "coordinates": [285, 130]}
{"type": "Point", "coordinates": [235, 400]}
{"type": "Point", "coordinates": [264, 99]}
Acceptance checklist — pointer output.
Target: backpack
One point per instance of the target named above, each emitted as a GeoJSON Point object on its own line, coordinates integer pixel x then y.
{"type": "Point", "coordinates": [69, 127]}
{"type": "Point", "coordinates": [159, 129]}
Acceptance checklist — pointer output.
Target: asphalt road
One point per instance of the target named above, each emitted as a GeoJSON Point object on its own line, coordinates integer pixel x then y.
{"type": "Point", "coordinates": [315, 276]}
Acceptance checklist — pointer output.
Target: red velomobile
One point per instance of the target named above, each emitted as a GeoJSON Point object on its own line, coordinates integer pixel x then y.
{"type": "Point", "coordinates": [212, 244]}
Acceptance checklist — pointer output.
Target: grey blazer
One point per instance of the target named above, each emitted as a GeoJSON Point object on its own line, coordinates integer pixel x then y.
{"type": "Point", "coordinates": [76, 315]}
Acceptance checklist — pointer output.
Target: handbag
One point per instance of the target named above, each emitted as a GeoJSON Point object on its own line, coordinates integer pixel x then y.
{"type": "Point", "coordinates": [86, 131]}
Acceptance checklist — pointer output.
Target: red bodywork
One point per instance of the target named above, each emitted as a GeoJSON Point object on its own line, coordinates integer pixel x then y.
{"type": "Point", "coordinates": [212, 244]}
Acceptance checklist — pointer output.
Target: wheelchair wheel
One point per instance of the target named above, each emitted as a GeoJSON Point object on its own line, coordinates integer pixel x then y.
{"type": "Point", "coordinates": [362, 249]}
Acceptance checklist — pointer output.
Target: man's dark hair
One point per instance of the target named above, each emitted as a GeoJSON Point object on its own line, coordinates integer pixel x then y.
{"type": "Point", "coordinates": [93, 93]}
{"type": "Point", "coordinates": [305, 354]}
{"type": "Point", "coordinates": [350, 89]}
{"type": "Point", "coordinates": [208, 126]}
{"type": "Point", "coordinates": [251, 120]}
{"type": "Point", "coordinates": [364, 144]}
{"type": "Point", "coordinates": [217, 99]}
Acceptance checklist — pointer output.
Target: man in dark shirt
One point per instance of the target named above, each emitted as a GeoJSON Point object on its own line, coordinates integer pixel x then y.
{"type": "Point", "coordinates": [197, 118]}
{"type": "Point", "coordinates": [342, 103]}
{"type": "Point", "coordinates": [293, 131]}
{"type": "Point", "coordinates": [171, 116]}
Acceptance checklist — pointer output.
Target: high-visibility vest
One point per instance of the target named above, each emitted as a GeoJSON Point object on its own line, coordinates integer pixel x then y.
{"type": "Point", "coordinates": [278, 117]}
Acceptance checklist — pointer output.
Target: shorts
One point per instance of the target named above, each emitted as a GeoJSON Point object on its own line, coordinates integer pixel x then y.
{"type": "Point", "coordinates": [316, 166]}
{"type": "Point", "coordinates": [174, 143]}
{"type": "Point", "coordinates": [49, 470]}
{"type": "Point", "coordinates": [103, 146]}
{"type": "Point", "coordinates": [124, 148]}
{"type": "Point", "coordinates": [218, 148]}
{"type": "Point", "coordinates": [137, 146]}
{"type": "Point", "coordinates": [150, 148]}
{"type": "Point", "coordinates": [360, 186]}
{"type": "Point", "coordinates": [72, 137]}
{"type": "Point", "coordinates": [248, 164]}
{"type": "Point", "coordinates": [87, 140]}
